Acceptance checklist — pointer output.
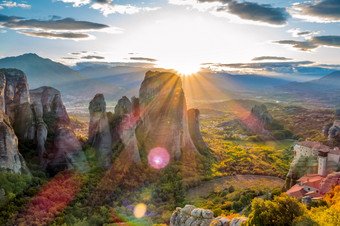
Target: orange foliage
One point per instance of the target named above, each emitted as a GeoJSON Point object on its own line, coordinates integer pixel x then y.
{"type": "Point", "coordinates": [51, 200]}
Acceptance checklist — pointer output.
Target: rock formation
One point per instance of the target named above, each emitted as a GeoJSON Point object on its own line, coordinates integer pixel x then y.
{"type": "Point", "coordinates": [10, 158]}
{"type": "Point", "coordinates": [164, 120]}
{"type": "Point", "coordinates": [127, 111]}
{"type": "Point", "coordinates": [194, 129]}
{"type": "Point", "coordinates": [256, 123]}
{"type": "Point", "coordinates": [190, 215]}
{"type": "Point", "coordinates": [106, 132]}
{"type": "Point", "coordinates": [332, 131]}
{"type": "Point", "coordinates": [17, 104]}
{"type": "Point", "coordinates": [37, 116]}
{"type": "Point", "coordinates": [99, 130]}
{"type": "Point", "coordinates": [63, 150]}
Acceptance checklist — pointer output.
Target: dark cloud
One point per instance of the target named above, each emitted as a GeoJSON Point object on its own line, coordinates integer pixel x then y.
{"type": "Point", "coordinates": [68, 24]}
{"type": "Point", "coordinates": [143, 59]}
{"type": "Point", "coordinates": [253, 11]}
{"type": "Point", "coordinates": [313, 42]}
{"type": "Point", "coordinates": [304, 33]}
{"type": "Point", "coordinates": [92, 57]}
{"type": "Point", "coordinates": [69, 58]}
{"type": "Point", "coordinates": [301, 45]}
{"type": "Point", "coordinates": [326, 10]}
{"type": "Point", "coordinates": [327, 40]}
{"type": "Point", "coordinates": [270, 58]}
{"type": "Point", "coordinates": [51, 35]}
{"type": "Point", "coordinates": [75, 53]}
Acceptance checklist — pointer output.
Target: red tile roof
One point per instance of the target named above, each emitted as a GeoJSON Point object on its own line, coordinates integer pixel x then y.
{"type": "Point", "coordinates": [296, 191]}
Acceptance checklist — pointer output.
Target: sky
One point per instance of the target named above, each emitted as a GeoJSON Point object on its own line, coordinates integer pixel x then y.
{"type": "Point", "coordinates": [254, 36]}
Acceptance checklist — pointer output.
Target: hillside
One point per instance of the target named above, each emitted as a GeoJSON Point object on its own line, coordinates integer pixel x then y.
{"type": "Point", "coordinates": [45, 72]}
{"type": "Point", "coordinates": [328, 82]}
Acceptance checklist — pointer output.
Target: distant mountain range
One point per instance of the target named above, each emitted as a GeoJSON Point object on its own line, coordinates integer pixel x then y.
{"type": "Point", "coordinates": [73, 85]}
{"type": "Point", "coordinates": [117, 79]}
{"type": "Point", "coordinates": [326, 83]}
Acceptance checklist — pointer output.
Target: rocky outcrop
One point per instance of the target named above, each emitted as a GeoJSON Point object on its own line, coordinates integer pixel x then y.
{"type": "Point", "coordinates": [192, 216]}
{"type": "Point", "coordinates": [127, 112]}
{"type": "Point", "coordinates": [262, 114]}
{"type": "Point", "coordinates": [99, 131]}
{"type": "Point", "coordinates": [124, 106]}
{"type": "Point", "coordinates": [238, 221]}
{"type": "Point", "coordinates": [63, 150]}
{"type": "Point", "coordinates": [17, 104]}
{"type": "Point", "coordinates": [104, 132]}
{"type": "Point", "coordinates": [194, 129]}
{"type": "Point", "coordinates": [10, 158]}
{"type": "Point", "coordinates": [164, 119]}
{"type": "Point", "coordinates": [332, 131]}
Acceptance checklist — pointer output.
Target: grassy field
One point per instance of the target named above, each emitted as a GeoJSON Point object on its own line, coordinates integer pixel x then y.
{"type": "Point", "coordinates": [238, 182]}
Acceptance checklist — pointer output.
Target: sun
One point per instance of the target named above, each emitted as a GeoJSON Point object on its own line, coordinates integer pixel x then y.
{"type": "Point", "coordinates": [186, 69]}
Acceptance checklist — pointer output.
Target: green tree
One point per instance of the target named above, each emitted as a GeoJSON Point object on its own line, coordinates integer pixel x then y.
{"type": "Point", "coordinates": [283, 210]}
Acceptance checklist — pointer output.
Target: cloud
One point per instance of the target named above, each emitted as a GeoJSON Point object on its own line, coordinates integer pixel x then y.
{"type": "Point", "coordinates": [327, 40]}
{"type": "Point", "coordinates": [55, 28]}
{"type": "Point", "coordinates": [143, 59]}
{"type": "Point", "coordinates": [91, 57]}
{"type": "Point", "coordinates": [11, 4]}
{"type": "Point", "coordinates": [66, 24]}
{"type": "Point", "coordinates": [257, 12]}
{"type": "Point", "coordinates": [301, 45]}
{"type": "Point", "coordinates": [270, 58]}
{"type": "Point", "coordinates": [322, 11]}
{"type": "Point", "coordinates": [106, 7]}
{"type": "Point", "coordinates": [52, 35]}
{"type": "Point", "coordinates": [297, 32]}
{"type": "Point", "coordinates": [250, 11]}
{"type": "Point", "coordinates": [313, 42]}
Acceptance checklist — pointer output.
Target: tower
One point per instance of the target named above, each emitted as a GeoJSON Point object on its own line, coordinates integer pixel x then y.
{"type": "Point", "coordinates": [322, 166]}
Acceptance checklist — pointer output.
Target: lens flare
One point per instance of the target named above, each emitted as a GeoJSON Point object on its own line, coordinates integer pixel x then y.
{"type": "Point", "coordinates": [158, 158]}
{"type": "Point", "coordinates": [139, 210]}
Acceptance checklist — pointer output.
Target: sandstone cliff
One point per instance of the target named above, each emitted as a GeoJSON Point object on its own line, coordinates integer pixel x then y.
{"type": "Point", "coordinates": [63, 150]}
{"type": "Point", "coordinates": [39, 117]}
{"type": "Point", "coordinates": [194, 129]}
{"type": "Point", "coordinates": [105, 132]}
{"type": "Point", "coordinates": [10, 158]}
{"type": "Point", "coordinates": [99, 131]}
{"type": "Point", "coordinates": [164, 119]}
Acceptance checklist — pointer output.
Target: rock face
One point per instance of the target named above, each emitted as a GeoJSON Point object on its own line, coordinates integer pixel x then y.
{"type": "Point", "coordinates": [128, 112]}
{"type": "Point", "coordinates": [63, 151]}
{"type": "Point", "coordinates": [39, 117]}
{"type": "Point", "coordinates": [17, 101]}
{"type": "Point", "coordinates": [10, 158]}
{"type": "Point", "coordinates": [192, 216]}
{"type": "Point", "coordinates": [261, 112]}
{"type": "Point", "coordinates": [164, 120]}
{"type": "Point", "coordinates": [103, 136]}
{"type": "Point", "coordinates": [99, 130]}
{"type": "Point", "coordinates": [194, 129]}
{"type": "Point", "coordinates": [159, 116]}
{"type": "Point", "coordinates": [333, 131]}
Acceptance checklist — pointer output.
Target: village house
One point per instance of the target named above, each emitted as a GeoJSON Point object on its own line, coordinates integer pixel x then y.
{"type": "Point", "coordinates": [315, 186]}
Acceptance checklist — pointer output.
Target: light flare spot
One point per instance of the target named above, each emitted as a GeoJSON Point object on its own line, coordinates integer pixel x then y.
{"type": "Point", "coordinates": [139, 210]}
{"type": "Point", "coordinates": [158, 158]}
